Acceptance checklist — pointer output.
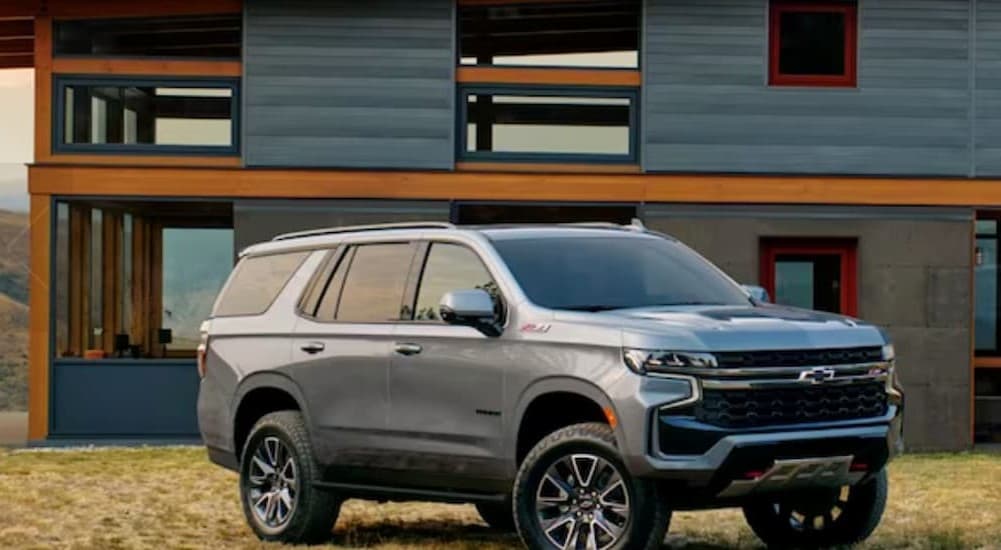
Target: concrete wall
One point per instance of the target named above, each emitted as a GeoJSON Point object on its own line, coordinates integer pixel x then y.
{"type": "Point", "coordinates": [914, 279]}
{"type": "Point", "coordinates": [349, 84]}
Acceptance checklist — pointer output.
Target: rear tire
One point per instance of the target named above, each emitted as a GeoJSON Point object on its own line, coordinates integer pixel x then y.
{"type": "Point", "coordinates": [498, 515]}
{"type": "Point", "coordinates": [573, 487]}
{"type": "Point", "coordinates": [277, 471]}
{"type": "Point", "coordinates": [820, 518]}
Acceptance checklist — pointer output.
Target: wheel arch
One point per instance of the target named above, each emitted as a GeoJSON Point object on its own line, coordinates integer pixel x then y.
{"type": "Point", "coordinates": [595, 403]}
{"type": "Point", "coordinates": [260, 394]}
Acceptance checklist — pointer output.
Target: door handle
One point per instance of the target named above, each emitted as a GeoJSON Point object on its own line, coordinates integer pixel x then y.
{"type": "Point", "coordinates": [313, 348]}
{"type": "Point", "coordinates": [408, 349]}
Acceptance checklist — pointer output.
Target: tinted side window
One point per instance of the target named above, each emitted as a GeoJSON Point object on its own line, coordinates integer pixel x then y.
{"type": "Point", "coordinates": [256, 283]}
{"type": "Point", "coordinates": [450, 267]}
{"type": "Point", "coordinates": [373, 285]}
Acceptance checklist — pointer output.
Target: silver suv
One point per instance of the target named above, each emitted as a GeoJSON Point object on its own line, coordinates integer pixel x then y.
{"type": "Point", "coordinates": [576, 383]}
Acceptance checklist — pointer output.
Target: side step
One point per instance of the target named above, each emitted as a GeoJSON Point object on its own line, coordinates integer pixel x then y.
{"type": "Point", "coordinates": [376, 492]}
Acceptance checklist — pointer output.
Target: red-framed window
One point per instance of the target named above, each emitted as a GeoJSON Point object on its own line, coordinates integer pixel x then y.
{"type": "Point", "coordinates": [813, 43]}
{"type": "Point", "coordinates": [819, 274]}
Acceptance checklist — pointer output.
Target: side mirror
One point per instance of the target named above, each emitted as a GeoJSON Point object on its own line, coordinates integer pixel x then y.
{"type": "Point", "coordinates": [758, 293]}
{"type": "Point", "coordinates": [474, 308]}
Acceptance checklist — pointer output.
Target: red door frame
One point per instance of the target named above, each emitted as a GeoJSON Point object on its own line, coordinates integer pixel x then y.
{"type": "Point", "coordinates": [846, 249]}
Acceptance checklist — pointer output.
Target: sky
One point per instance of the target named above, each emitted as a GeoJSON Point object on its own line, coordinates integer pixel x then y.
{"type": "Point", "coordinates": [17, 106]}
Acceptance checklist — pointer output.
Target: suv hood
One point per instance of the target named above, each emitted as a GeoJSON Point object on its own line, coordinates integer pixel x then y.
{"type": "Point", "coordinates": [728, 328]}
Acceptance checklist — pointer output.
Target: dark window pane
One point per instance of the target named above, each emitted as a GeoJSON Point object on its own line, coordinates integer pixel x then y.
{"type": "Point", "coordinates": [524, 124]}
{"type": "Point", "coordinates": [579, 34]}
{"type": "Point", "coordinates": [374, 285]}
{"type": "Point", "coordinates": [256, 283]}
{"type": "Point", "coordinates": [812, 43]}
{"type": "Point", "coordinates": [986, 292]}
{"type": "Point", "coordinates": [148, 115]}
{"type": "Point", "coordinates": [214, 36]}
{"type": "Point", "coordinates": [987, 407]}
{"type": "Point", "coordinates": [809, 281]}
{"type": "Point", "coordinates": [987, 227]}
{"type": "Point", "coordinates": [450, 267]}
{"type": "Point", "coordinates": [614, 272]}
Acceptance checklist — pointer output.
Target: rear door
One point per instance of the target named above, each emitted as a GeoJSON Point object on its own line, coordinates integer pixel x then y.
{"type": "Point", "coordinates": [446, 381]}
{"type": "Point", "coordinates": [342, 347]}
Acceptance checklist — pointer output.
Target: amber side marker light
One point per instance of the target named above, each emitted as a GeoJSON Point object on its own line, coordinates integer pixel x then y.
{"type": "Point", "coordinates": [610, 417]}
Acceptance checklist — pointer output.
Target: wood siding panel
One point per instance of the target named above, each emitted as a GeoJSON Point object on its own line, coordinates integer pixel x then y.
{"type": "Point", "coordinates": [349, 84]}
{"type": "Point", "coordinates": [708, 107]}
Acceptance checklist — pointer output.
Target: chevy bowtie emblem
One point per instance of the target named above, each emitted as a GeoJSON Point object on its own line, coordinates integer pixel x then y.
{"type": "Point", "coordinates": [818, 375]}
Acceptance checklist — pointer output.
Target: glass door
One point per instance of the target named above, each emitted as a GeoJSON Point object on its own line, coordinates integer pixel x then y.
{"type": "Point", "coordinates": [811, 273]}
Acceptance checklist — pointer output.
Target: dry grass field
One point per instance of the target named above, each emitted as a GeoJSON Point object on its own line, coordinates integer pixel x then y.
{"type": "Point", "coordinates": [173, 498]}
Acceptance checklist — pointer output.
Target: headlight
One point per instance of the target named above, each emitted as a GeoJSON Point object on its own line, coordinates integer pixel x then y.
{"type": "Point", "coordinates": [889, 354]}
{"type": "Point", "coordinates": [643, 361]}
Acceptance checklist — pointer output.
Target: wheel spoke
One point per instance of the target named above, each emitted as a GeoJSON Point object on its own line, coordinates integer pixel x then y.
{"type": "Point", "coordinates": [566, 521]}
{"type": "Point", "coordinates": [272, 483]}
{"type": "Point", "coordinates": [601, 522]}
{"type": "Point", "coordinates": [592, 539]}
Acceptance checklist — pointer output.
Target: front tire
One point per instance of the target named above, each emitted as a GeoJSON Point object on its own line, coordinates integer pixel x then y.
{"type": "Point", "coordinates": [277, 471]}
{"type": "Point", "coordinates": [573, 491]}
{"type": "Point", "coordinates": [821, 518]}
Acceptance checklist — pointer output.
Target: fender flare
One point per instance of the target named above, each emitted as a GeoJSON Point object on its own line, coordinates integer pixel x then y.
{"type": "Point", "coordinates": [558, 384]}
{"type": "Point", "coordinates": [267, 380]}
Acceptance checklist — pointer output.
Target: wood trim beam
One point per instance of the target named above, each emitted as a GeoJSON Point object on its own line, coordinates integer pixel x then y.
{"type": "Point", "coordinates": [719, 189]}
{"type": "Point", "coordinates": [43, 88]}
{"type": "Point", "coordinates": [987, 363]}
{"type": "Point", "coordinates": [38, 317]}
{"type": "Point", "coordinates": [549, 76]}
{"type": "Point", "coordinates": [151, 67]}
{"type": "Point", "coordinates": [17, 28]}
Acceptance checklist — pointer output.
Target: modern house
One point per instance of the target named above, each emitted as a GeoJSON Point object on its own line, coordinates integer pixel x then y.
{"type": "Point", "coordinates": [845, 154]}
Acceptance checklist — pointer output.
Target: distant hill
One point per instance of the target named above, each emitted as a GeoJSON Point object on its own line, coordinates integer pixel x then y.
{"type": "Point", "coordinates": [13, 310]}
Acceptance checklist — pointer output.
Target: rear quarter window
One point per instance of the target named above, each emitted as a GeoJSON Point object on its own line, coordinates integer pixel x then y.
{"type": "Point", "coordinates": [256, 282]}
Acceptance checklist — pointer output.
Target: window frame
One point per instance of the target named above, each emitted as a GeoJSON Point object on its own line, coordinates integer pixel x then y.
{"type": "Point", "coordinates": [343, 255]}
{"type": "Point", "coordinates": [62, 82]}
{"type": "Point", "coordinates": [600, 92]}
{"type": "Point", "coordinates": [418, 269]}
{"type": "Point", "coordinates": [848, 8]}
{"type": "Point", "coordinates": [996, 217]}
{"type": "Point", "coordinates": [845, 249]}
{"type": "Point", "coordinates": [501, 3]}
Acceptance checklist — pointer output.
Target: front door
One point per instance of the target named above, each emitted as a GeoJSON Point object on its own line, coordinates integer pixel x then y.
{"type": "Point", "coordinates": [817, 274]}
{"type": "Point", "coordinates": [447, 382]}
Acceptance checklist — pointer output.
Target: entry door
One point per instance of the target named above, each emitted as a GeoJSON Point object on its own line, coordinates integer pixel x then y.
{"type": "Point", "coordinates": [817, 274]}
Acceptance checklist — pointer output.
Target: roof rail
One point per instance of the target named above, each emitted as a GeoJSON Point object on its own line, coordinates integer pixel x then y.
{"type": "Point", "coordinates": [355, 228]}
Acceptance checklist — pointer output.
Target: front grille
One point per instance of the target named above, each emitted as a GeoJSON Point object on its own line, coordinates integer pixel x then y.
{"type": "Point", "coordinates": [798, 358]}
{"type": "Point", "coordinates": [769, 407]}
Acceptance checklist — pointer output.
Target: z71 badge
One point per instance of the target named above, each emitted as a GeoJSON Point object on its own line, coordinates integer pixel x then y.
{"type": "Point", "coordinates": [537, 328]}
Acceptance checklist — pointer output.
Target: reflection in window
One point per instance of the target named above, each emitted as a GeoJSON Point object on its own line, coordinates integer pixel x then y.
{"type": "Point", "coordinates": [450, 267]}
{"type": "Point", "coordinates": [257, 282]}
{"type": "Point", "coordinates": [561, 34]}
{"type": "Point", "coordinates": [986, 283]}
{"type": "Point", "coordinates": [143, 116]}
{"type": "Point", "coordinates": [96, 281]}
{"type": "Point", "coordinates": [374, 284]}
{"type": "Point", "coordinates": [212, 36]}
{"type": "Point", "coordinates": [196, 263]}
{"type": "Point", "coordinates": [526, 125]}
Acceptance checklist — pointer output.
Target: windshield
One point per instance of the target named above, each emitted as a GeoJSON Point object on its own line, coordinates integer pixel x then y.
{"type": "Point", "coordinates": [605, 273]}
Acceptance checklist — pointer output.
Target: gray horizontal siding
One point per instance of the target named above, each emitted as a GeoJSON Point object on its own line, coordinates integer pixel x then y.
{"type": "Point", "coordinates": [988, 90]}
{"type": "Point", "coordinates": [349, 84]}
{"type": "Point", "coordinates": [708, 106]}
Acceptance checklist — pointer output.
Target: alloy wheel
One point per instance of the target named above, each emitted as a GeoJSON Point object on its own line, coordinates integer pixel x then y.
{"type": "Point", "coordinates": [582, 503]}
{"type": "Point", "coordinates": [273, 483]}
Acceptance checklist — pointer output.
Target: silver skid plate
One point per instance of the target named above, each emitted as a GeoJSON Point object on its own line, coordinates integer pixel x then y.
{"type": "Point", "coordinates": [800, 473]}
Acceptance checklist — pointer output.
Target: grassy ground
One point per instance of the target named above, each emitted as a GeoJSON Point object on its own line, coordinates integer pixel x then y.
{"type": "Point", "coordinates": [173, 498]}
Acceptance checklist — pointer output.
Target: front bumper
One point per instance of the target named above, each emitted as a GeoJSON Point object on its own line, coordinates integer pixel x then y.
{"type": "Point", "coordinates": [704, 461]}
